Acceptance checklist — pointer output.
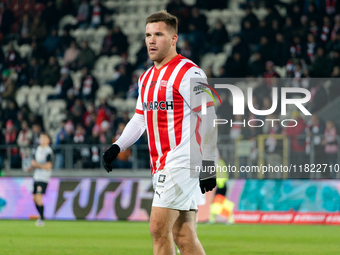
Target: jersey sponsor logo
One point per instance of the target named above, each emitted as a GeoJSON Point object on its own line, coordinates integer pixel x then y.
{"type": "Point", "coordinates": [161, 178]}
{"type": "Point", "coordinates": [155, 105]}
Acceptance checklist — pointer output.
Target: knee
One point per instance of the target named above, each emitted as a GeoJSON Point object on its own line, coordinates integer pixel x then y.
{"type": "Point", "coordinates": [184, 239]}
{"type": "Point", "coordinates": [158, 230]}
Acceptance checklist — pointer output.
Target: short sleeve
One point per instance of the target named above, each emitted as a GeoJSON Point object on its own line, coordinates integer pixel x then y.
{"type": "Point", "coordinates": [49, 157]}
{"type": "Point", "coordinates": [192, 87]}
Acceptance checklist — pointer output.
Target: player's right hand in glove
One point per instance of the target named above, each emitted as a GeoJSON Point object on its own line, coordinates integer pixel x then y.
{"type": "Point", "coordinates": [109, 155]}
{"type": "Point", "coordinates": [207, 178]}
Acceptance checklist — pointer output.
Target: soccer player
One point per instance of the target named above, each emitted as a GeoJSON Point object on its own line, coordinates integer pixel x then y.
{"type": "Point", "coordinates": [165, 108]}
{"type": "Point", "coordinates": [42, 165]}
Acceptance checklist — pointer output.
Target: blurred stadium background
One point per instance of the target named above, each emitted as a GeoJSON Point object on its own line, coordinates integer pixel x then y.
{"type": "Point", "coordinates": [70, 68]}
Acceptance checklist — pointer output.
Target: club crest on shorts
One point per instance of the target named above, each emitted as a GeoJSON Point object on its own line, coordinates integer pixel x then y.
{"type": "Point", "coordinates": [161, 178]}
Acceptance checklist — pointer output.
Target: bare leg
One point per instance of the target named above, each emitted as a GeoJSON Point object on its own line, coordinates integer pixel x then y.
{"type": "Point", "coordinates": [162, 221]}
{"type": "Point", "coordinates": [184, 232]}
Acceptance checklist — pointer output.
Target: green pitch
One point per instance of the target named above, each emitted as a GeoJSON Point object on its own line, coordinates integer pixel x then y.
{"type": "Point", "coordinates": [124, 238]}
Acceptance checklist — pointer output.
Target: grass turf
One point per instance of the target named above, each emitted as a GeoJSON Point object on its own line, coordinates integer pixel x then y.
{"type": "Point", "coordinates": [124, 238]}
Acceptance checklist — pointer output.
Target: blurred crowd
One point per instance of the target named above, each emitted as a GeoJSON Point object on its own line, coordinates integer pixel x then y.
{"type": "Point", "coordinates": [306, 41]}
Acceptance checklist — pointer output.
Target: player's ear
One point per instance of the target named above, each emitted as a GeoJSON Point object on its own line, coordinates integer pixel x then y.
{"type": "Point", "coordinates": [174, 40]}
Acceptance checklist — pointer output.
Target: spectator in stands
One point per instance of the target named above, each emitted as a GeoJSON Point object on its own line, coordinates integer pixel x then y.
{"type": "Point", "coordinates": [86, 56]}
{"type": "Point", "coordinates": [64, 41]}
{"type": "Point", "coordinates": [218, 37]}
{"type": "Point", "coordinates": [334, 89]}
{"type": "Point", "coordinates": [288, 29]}
{"type": "Point", "coordinates": [120, 43]}
{"type": "Point", "coordinates": [314, 130]}
{"type": "Point", "coordinates": [331, 144]}
{"type": "Point", "coordinates": [272, 14]}
{"type": "Point", "coordinates": [36, 131]}
{"type": "Point", "coordinates": [103, 112]}
{"type": "Point", "coordinates": [310, 49]}
{"type": "Point", "coordinates": [88, 120]}
{"type": "Point", "coordinates": [197, 40]}
{"type": "Point", "coordinates": [38, 52]}
{"type": "Point", "coordinates": [334, 44]}
{"type": "Point", "coordinates": [266, 49]}
{"type": "Point", "coordinates": [63, 85]}
{"type": "Point", "coordinates": [34, 72]}
{"type": "Point", "coordinates": [71, 55]}
{"type": "Point", "coordinates": [312, 13]}
{"type": "Point", "coordinates": [133, 88]}
{"type": "Point", "coordinates": [88, 85]}
{"type": "Point", "coordinates": [107, 43]}
{"type": "Point", "coordinates": [51, 42]}
{"type": "Point", "coordinates": [10, 140]}
{"type": "Point", "coordinates": [297, 145]}
{"type": "Point", "coordinates": [7, 87]}
{"type": "Point", "coordinates": [336, 26]}
{"type": "Point", "coordinates": [281, 50]}
{"type": "Point", "coordinates": [249, 18]}
{"type": "Point", "coordinates": [121, 85]}
{"type": "Point", "coordinates": [97, 12]}
{"type": "Point", "coordinates": [318, 96]}
{"type": "Point", "coordinates": [12, 58]}
{"type": "Point", "coordinates": [249, 34]}
{"type": "Point", "coordinates": [24, 29]}
{"type": "Point", "coordinates": [240, 47]}
{"type": "Point", "coordinates": [38, 29]}
{"type": "Point", "coordinates": [325, 30]}
{"type": "Point", "coordinates": [50, 74]}
{"type": "Point", "coordinates": [262, 30]}
{"type": "Point", "coordinates": [93, 160]}
{"type": "Point", "coordinates": [256, 66]}
{"type": "Point", "coordinates": [61, 138]}
{"type": "Point", "coordinates": [270, 74]}
{"type": "Point", "coordinates": [11, 111]}
{"type": "Point", "coordinates": [80, 138]}
{"type": "Point", "coordinates": [22, 75]}
{"type": "Point", "coordinates": [322, 64]}
{"type": "Point", "coordinates": [50, 15]}
{"type": "Point", "coordinates": [83, 14]}
{"type": "Point", "coordinates": [24, 141]}
{"type": "Point", "coordinates": [234, 66]}
{"type": "Point", "coordinates": [199, 20]}
{"type": "Point", "coordinates": [6, 19]}
{"type": "Point", "coordinates": [77, 110]}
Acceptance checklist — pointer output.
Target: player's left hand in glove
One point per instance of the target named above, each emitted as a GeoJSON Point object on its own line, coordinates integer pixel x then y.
{"type": "Point", "coordinates": [109, 155]}
{"type": "Point", "coordinates": [207, 178]}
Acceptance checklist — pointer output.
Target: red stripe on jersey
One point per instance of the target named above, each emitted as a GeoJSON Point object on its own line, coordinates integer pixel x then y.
{"type": "Point", "coordinates": [163, 115]}
{"type": "Point", "coordinates": [179, 102]}
{"type": "Point", "coordinates": [139, 111]}
{"type": "Point", "coordinates": [198, 108]}
{"type": "Point", "coordinates": [197, 132]}
{"type": "Point", "coordinates": [149, 121]}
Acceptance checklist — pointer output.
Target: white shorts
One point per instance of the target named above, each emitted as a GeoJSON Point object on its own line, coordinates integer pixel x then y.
{"type": "Point", "coordinates": [175, 189]}
{"type": "Point", "coordinates": [200, 198]}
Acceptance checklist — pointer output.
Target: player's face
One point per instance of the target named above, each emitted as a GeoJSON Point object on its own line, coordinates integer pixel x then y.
{"type": "Point", "coordinates": [44, 140]}
{"type": "Point", "coordinates": [159, 39]}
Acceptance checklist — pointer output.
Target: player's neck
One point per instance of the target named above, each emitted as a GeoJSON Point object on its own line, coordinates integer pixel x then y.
{"type": "Point", "coordinates": [165, 60]}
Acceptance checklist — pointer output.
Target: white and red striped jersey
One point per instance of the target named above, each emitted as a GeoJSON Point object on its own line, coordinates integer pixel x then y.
{"type": "Point", "coordinates": [167, 102]}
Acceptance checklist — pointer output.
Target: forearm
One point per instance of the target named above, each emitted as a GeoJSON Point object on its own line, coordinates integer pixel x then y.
{"type": "Point", "coordinates": [47, 166]}
{"type": "Point", "coordinates": [133, 130]}
{"type": "Point", "coordinates": [209, 135]}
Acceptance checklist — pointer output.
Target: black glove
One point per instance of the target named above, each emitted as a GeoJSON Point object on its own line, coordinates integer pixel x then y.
{"type": "Point", "coordinates": [109, 155]}
{"type": "Point", "coordinates": [207, 178]}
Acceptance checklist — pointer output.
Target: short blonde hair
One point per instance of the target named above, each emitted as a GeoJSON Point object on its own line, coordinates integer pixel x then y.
{"type": "Point", "coordinates": [164, 16]}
